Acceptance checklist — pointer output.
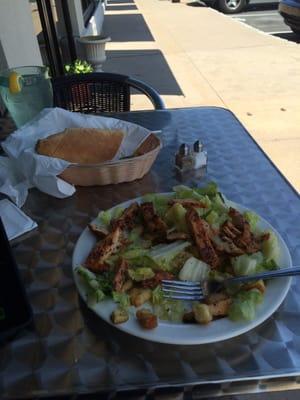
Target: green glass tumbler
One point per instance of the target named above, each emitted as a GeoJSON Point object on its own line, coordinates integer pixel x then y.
{"type": "Point", "coordinates": [25, 91]}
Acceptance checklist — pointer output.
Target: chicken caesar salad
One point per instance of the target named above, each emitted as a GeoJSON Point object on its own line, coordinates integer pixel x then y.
{"type": "Point", "coordinates": [191, 234]}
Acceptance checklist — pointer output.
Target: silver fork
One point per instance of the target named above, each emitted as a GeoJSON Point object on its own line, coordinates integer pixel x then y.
{"type": "Point", "coordinates": [185, 290]}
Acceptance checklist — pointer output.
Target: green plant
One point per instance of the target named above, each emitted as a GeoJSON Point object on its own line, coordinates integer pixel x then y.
{"type": "Point", "coordinates": [78, 67]}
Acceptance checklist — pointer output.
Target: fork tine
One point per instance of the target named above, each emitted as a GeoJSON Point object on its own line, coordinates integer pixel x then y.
{"type": "Point", "coordinates": [183, 297]}
{"type": "Point", "coordinates": [181, 284]}
{"type": "Point", "coordinates": [182, 290]}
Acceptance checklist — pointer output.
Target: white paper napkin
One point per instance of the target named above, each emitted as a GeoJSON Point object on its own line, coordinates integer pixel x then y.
{"type": "Point", "coordinates": [15, 221]}
{"type": "Point", "coordinates": [24, 168]}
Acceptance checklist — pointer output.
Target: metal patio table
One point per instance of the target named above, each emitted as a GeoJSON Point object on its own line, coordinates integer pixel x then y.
{"type": "Point", "coordinates": [69, 350]}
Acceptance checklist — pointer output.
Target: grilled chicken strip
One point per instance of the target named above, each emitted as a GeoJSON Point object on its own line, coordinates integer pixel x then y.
{"type": "Point", "coordinates": [174, 235]}
{"type": "Point", "coordinates": [98, 231]}
{"type": "Point", "coordinates": [103, 249]}
{"type": "Point", "coordinates": [120, 275]}
{"type": "Point", "coordinates": [127, 219]}
{"type": "Point", "coordinates": [200, 231]}
{"type": "Point", "coordinates": [239, 232]}
{"type": "Point", "coordinates": [153, 222]}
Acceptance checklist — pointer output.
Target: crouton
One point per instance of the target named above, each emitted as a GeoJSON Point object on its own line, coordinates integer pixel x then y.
{"type": "Point", "coordinates": [139, 296]}
{"type": "Point", "coordinates": [146, 319]}
{"type": "Point", "coordinates": [221, 308]}
{"type": "Point", "coordinates": [119, 315]}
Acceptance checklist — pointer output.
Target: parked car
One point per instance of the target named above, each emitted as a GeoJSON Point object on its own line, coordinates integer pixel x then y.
{"type": "Point", "coordinates": [290, 11]}
{"type": "Point", "coordinates": [228, 6]}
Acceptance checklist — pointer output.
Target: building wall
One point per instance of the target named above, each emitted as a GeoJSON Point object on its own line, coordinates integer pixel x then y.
{"type": "Point", "coordinates": [94, 26]}
{"type": "Point", "coordinates": [18, 43]}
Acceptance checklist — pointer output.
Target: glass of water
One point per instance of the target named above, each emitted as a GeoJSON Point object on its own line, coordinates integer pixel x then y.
{"type": "Point", "coordinates": [25, 91]}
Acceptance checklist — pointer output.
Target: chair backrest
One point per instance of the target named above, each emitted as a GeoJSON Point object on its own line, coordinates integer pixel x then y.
{"type": "Point", "coordinates": [99, 92]}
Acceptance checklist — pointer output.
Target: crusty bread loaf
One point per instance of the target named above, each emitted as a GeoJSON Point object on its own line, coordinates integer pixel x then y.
{"type": "Point", "coordinates": [82, 145]}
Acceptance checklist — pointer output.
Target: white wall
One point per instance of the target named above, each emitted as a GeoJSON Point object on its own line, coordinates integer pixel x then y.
{"type": "Point", "coordinates": [19, 45]}
{"type": "Point", "coordinates": [94, 26]}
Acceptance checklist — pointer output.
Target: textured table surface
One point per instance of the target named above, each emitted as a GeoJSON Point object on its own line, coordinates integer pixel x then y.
{"type": "Point", "coordinates": [70, 351]}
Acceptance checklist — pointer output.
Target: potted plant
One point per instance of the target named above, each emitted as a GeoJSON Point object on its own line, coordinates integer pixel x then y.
{"type": "Point", "coordinates": [94, 47]}
{"type": "Point", "coordinates": [80, 92]}
{"type": "Point", "coordinates": [78, 67]}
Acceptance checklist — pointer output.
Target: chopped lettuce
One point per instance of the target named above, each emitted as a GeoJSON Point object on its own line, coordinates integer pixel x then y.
{"type": "Point", "coordinates": [122, 299]}
{"type": "Point", "coordinates": [253, 220]}
{"type": "Point", "coordinates": [159, 201]}
{"type": "Point", "coordinates": [215, 219]}
{"type": "Point", "coordinates": [178, 261]}
{"type": "Point", "coordinates": [144, 261]}
{"type": "Point", "coordinates": [270, 248]}
{"type": "Point", "coordinates": [194, 270]}
{"type": "Point", "coordinates": [184, 192]}
{"type": "Point", "coordinates": [175, 216]}
{"type": "Point", "coordinates": [157, 296]}
{"type": "Point", "coordinates": [133, 254]}
{"type": "Point", "coordinates": [244, 305]}
{"type": "Point", "coordinates": [218, 205]}
{"type": "Point", "coordinates": [247, 264]}
{"type": "Point", "coordinates": [94, 289]}
{"type": "Point", "coordinates": [163, 255]}
{"type": "Point", "coordinates": [211, 189]}
{"type": "Point", "coordinates": [252, 264]}
{"type": "Point", "coordinates": [169, 310]}
{"type": "Point", "coordinates": [105, 217]}
{"type": "Point", "coordinates": [140, 274]}
{"type": "Point", "coordinates": [136, 241]}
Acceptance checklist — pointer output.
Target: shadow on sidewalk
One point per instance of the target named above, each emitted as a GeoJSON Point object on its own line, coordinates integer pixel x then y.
{"type": "Point", "coordinates": [120, 1]}
{"type": "Point", "coordinates": [121, 7]}
{"type": "Point", "coordinates": [127, 28]}
{"type": "Point", "coordinates": [147, 65]}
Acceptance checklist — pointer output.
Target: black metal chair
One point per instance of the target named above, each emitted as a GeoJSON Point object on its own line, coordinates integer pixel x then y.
{"type": "Point", "coordinates": [100, 92]}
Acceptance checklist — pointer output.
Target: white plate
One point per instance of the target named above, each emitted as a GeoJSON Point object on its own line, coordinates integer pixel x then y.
{"type": "Point", "coordinates": [176, 333]}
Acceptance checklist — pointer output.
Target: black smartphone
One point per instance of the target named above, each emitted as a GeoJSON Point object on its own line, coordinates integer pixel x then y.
{"type": "Point", "coordinates": [15, 310]}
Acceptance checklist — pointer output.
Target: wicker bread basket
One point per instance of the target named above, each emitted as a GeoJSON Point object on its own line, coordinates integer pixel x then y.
{"type": "Point", "coordinates": [113, 172]}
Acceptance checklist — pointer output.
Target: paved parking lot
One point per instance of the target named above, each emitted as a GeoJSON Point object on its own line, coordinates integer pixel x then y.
{"type": "Point", "coordinates": [264, 16]}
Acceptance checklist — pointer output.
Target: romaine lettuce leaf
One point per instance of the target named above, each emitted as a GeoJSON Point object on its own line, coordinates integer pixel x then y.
{"type": "Point", "coordinates": [253, 220]}
{"type": "Point", "coordinates": [244, 305]}
{"type": "Point", "coordinates": [215, 219]}
{"type": "Point", "coordinates": [175, 216]}
{"type": "Point", "coordinates": [163, 255]}
{"type": "Point", "coordinates": [211, 189]}
{"type": "Point", "coordinates": [122, 299]}
{"type": "Point", "coordinates": [132, 254]}
{"type": "Point", "coordinates": [271, 249]}
{"type": "Point", "coordinates": [170, 310]}
{"type": "Point", "coordinates": [140, 274]}
{"type": "Point", "coordinates": [95, 292]}
{"type": "Point", "coordinates": [105, 217]}
{"type": "Point", "coordinates": [247, 264]}
{"type": "Point", "coordinates": [160, 202]}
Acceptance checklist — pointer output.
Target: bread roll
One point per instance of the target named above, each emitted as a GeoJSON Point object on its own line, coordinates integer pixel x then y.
{"type": "Point", "coordinates": [82, 145]}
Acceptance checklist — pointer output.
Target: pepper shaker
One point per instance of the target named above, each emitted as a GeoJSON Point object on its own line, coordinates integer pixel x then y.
{"type": "Point", "coordinates": [184, 159]}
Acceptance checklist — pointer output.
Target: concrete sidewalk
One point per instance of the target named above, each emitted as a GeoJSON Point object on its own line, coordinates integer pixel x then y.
{"type": "Point", "coordinates": [197, 56]}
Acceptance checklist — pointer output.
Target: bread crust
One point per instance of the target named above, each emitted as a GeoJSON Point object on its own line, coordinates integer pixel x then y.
{"type": "Point", "coordinates": [82, 145]}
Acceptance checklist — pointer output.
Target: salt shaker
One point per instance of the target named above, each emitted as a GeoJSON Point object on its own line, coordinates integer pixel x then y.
{"type": "Point", "coordinates": [199, 155]}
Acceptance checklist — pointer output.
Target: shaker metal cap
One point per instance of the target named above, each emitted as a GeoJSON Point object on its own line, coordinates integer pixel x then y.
{"type": "Point", "coordinates": [198, 146]}
{"type": "Point", "coordinates": [184, 149]}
